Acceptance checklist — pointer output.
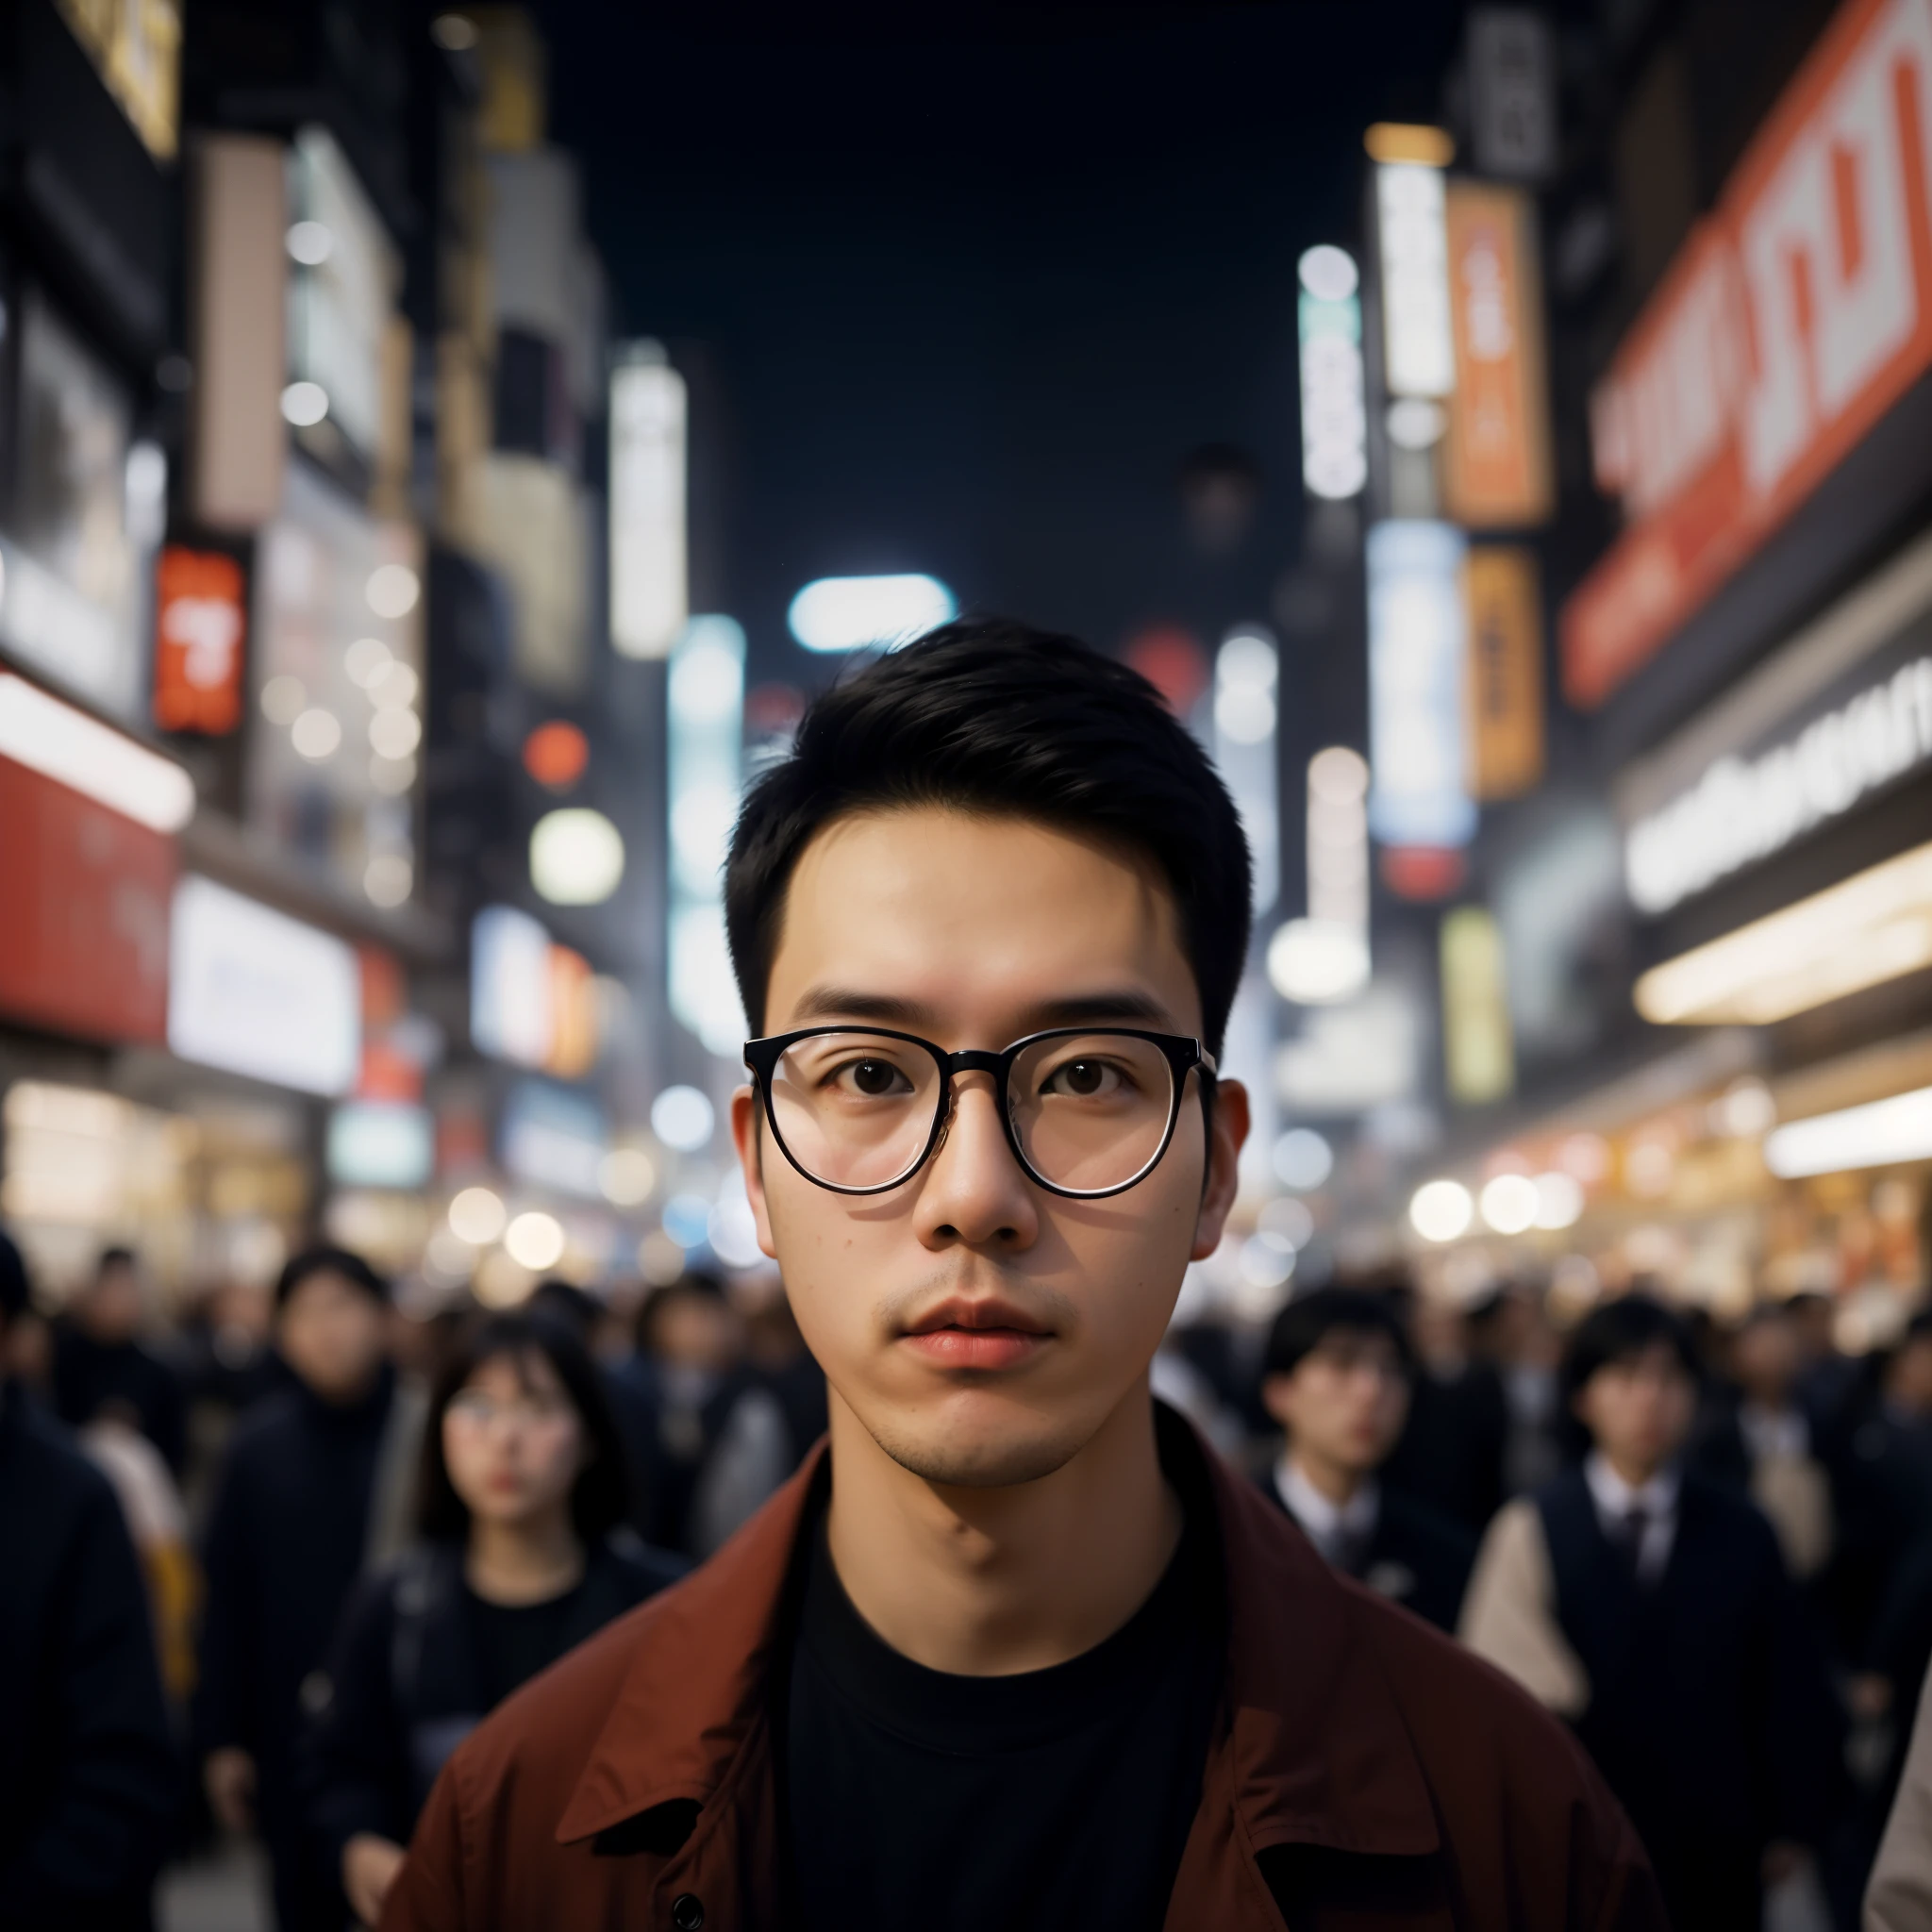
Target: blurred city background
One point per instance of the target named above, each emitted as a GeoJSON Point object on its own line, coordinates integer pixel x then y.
{"type": "Point", "coordinates": [441, 452]}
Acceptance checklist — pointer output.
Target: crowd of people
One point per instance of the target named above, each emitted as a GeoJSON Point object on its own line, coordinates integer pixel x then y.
{"type": "Point", "coordinates": [304, 1555]}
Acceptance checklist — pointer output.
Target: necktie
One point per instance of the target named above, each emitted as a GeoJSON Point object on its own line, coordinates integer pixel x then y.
{"type": "Point", "coordinates": [1631, 1531]}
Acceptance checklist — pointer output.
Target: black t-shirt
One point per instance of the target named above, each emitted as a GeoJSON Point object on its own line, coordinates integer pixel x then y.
{"type": "Point", "coordinates": [1056, 1799]}
{"type": "Point", "coordinates": [513, 1641]}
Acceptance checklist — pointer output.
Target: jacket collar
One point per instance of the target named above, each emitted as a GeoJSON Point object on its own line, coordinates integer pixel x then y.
{"type": "Point", "coordinates": [1315, 1746]}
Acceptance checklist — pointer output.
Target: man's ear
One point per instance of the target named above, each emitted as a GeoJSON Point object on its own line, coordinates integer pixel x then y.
{"type": "Point", "coordinates": [1227, 1130]}
{"type": "Point", "coordinates": [748, 1121]}
{"type": "Point", "coordinates": [1277, 1396]}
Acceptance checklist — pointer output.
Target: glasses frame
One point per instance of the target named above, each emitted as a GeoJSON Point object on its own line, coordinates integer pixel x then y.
{"type": "Point", "coordinates": [1183, 1055]}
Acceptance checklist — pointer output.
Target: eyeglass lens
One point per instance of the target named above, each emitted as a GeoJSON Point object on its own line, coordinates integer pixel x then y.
{"type": "Point", "coordinates": [858, 1109]}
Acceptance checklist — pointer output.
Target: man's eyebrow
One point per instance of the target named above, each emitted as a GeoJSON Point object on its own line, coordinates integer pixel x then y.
{"type": "Point", "coordinates": [848, 1003]}
{"type": "Point", "coordinates": [888, 1009]}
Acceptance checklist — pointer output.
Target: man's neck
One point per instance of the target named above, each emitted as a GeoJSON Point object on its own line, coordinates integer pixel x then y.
{"type": "Point", "coordinates": [990, 1581]}
{"type": "Point", "coordinates": [1631, 1473]}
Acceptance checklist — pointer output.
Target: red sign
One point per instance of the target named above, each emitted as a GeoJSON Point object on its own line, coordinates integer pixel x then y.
{"type": "Point", "coordinates": [84, 897]}
{"type": "Point", "coordinates": [200, 623]}
{"type": "Point", "coordinates": [1791, 321]}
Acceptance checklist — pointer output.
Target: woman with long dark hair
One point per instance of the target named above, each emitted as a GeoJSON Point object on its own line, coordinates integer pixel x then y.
{"type": "Point", "coordinates": [523, 1555]}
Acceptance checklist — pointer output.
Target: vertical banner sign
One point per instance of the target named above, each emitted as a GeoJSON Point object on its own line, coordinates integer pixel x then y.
{"type": "Point", "coordinates": [1496, 458]}
{"type": "Point", "coordinates": [1505, 670]}
{"type": "Point", "coordinates": [1419, 795]}
{"type": "Point", "coordinates": [648, 598]}
{"type": "Point", "coordinates": [200, 623]}
{"type": "Point", "coordinates": [1418, 349]}
{"type": "Point", "coordinates": [1790, 321]}
{"type": "Point", "coordinates": [1479, 1060]}
{"type": "Point", "coordinates": [1512, 87]}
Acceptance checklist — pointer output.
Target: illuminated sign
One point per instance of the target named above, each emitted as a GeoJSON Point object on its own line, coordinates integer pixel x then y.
{"type": "Point", "coordinates": [1792, 319]}
{"type": "Point", "coordinates": [1743, 809]}
{"type": "Point", "coordinates": [380, 1144]}
{"type": "Point", "coordinates": [1512, 86]}
{"type": "Point", "coordinates": [648, 594]}
{"type": "Point", "coordinates": [1505, 670]}
{"type": "Point", "coordinates": [1420, 795]}
{"type": "Point", "coordinates": [553, 1137]}
{"type": "Point", "coordinates": [1418, 348]}
{"type": "Point", "coordinates": [854, 613]}
{"type": "Point", "coordinates": [1335, 462]}
{"type": "Point", "coordinates": [257, 992]}
{"type": "Point", "coordinates": [532, 1002]}
{"type": "Point", "coordinates": [1477, 1057]}
{"type": "Point", "coordinates": [1497, 456]}
{"type": "Point", "coordinates": [1245, 674]}
{"type": "Point", "coordinates": [200, 623]}
{"type": "Point", "coordinates": [1325, 955]}
{"type": "Point", "coordinates": [136, 47]}
{"type": "Point", "coordinates": [706, 767]}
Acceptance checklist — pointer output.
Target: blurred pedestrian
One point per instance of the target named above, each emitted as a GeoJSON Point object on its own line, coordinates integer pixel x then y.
{"type": "Point", "coordinates": [1450, 1455]}
{"type": "Point", "coordinates": [316, 1485]}
{"type": "Point", "coordinates": [1760, 1439]}
{"type": "Point", "coordinates": [1513, 1332]}
{"type": "Point", "coordinates": [690, 1343]}
{"type": "Point", "coordinates": [1899, 1897]}
{"type": "Point", "coordinates": [90, 1782]}
{"type": "Point", "coordinates": [1650, 1605]}
{"type": "Point", "coordinates": [1338, 1374]}
{"type": "Point", "coordinates": [525, 1552]}
{"type": "Point", "coordinates": [101, 1364]}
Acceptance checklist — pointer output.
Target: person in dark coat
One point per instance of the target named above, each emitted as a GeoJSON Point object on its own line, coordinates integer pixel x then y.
{"type": "Point", "coordinates": [526, 1552]}
{"type": "Point", "coordinates": [1450, 1455]}
{"type": "Point", "coordinates": [1337, 1377]}
{"type": "Point", "coordinates": [297, 1505]}
{"type": "Point", "coordinates": [102, 1366]}
{"type": "Point", "coordinates": [90, 1782]}
{"type": "Point", "coordinates": [1651, 1606]}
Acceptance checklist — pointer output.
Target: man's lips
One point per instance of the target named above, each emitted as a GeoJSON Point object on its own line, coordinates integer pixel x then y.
{"type": "Point", "coordinates": [977, 1333]}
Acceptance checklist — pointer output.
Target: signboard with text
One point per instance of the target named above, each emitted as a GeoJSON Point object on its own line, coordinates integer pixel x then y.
{"type": "Point", "coordinates": [1792, 319]}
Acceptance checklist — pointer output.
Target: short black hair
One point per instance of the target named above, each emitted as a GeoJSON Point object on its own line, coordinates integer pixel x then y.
{"type": "Point", "coordinates": [1619, 1331]}
{"type": "Point", "coordinates": [328, 1261]}
{"type": "Point", "coordinates": [1308, 1321]}
{"type": "Point", "coordinates": [992, 716]}
{"type": "Point", "coordinates": [16, 1292]}
{"type": "Point", "coordinates": [565, 1301]}
{"type": "Point", "coordinates": [600, 1498]}
{"type": "Point", "coordinates": [115, 1257]}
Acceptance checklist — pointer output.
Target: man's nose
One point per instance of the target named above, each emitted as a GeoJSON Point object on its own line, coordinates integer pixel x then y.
{"type": "Point", "coordinates": [974, 1192]}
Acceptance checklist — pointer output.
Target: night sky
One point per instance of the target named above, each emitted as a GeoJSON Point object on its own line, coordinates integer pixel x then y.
{"type": "Point", "coordinates": [963, 295]}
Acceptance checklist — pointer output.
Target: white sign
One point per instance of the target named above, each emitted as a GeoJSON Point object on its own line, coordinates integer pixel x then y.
{"type": "Point", "coordinates": [512, 1006]}
{"type": "Point", "coordinates": [649, 602]}
{"type": "Point", "coordinates": [1419, 344]}
{"type": "Point", "coordinates": [1743, 809]}
{"type": "Point", "coordinates": [1335, 462]}
{"type": "Point", "coordinates": [1420, 792]}
{"type": "Point", "coordinates": [380, 1144]}
{"type": "Point", "coordinates": [257, 992]}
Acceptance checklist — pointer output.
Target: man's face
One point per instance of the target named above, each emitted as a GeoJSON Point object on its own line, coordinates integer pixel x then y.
{"type": "Point", "coordinates": [1638, 1410]}
{"type": "Point", "coordinates": [979, 1328]}
{"type": "Point", "coordinates": [333, 1335]}
{"type": "Point", "coordinates": [1345, 1402]}
{"type": "Point", "coordinates": [110, 1310]}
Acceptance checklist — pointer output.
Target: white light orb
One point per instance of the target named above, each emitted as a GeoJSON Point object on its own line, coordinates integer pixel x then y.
{"type": "Point", "coordinates": [1327, 272]}
{"type": "Point", "coordinates": [365, 661]}
{"type": "Point", "coordinates": [1558, 1200]}
{"type": "Point", "coordinates": [576, 855]}
{"type": "Point", "coordinates": [1509, 1203]}
{"type": "Point", "coordinates": [1440, 1211]}
{"type": "Point", "coordinates": [625, 1176]}
{"type": "Point", "coordinates": [283, 700]}
{"type": "Point", "coordinates": [681, 1117]}
{"type": "Point", "coordinates": [1317, 961]}
{"type": "Point", "coordinates": [394, 734]}
{"type": "Point", "coordinates": [535, 1241]}
{"type": "Point", "coordinates": [476, 1215]}
{"type": "Point", "coordinates": [392, 589]}
{"type": "Point", "coordinates": [304, 404]}
{"type": "Point", "coordinates": [1338, 775]}
{"type": "Point", "coordinates": [316, 734]}
{"type": "Point", "coordinates": [1303, 1158]}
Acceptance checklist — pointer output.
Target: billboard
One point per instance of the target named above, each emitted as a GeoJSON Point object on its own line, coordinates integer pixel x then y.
{"type": "Point", "coordinates": [1792, 319]}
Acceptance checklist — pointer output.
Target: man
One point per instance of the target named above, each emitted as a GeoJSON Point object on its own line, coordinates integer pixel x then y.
{"type": "Point", "coordinates": [1337, 1378]}
{"type": "Point", "coordinates": [1651, 1607]}
{"type": "Point", "coordinates": [314, 1488]}
{"type": "Point", "coordinates": [89, 1780]}
{"type": "Point", "coordinates": [101, 1366]}
{"type": "Point", "coordinates": [1450, 1457]}
{"type": "Point", "coordinates": [1020, 1651]}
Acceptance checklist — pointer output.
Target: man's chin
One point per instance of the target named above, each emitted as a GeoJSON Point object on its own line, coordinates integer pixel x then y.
{"type": "Point", "coordinates": [988, 1453]}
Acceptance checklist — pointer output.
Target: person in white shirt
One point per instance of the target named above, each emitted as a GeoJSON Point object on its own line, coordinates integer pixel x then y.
{"type": "Point", "coordinates": [1337, 1377]}
{"type": "Point", "coordinates": [1650, 1605]}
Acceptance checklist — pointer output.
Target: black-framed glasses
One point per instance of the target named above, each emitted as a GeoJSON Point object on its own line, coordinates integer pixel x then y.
{"type": "Point", "coordinates": [1088, 1110]}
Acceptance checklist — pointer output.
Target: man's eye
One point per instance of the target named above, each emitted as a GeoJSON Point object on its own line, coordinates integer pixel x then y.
{"type": "Point", "coordinates": [1085, 1080]}
{"type": "Point", "coordinates": [875, 1079]}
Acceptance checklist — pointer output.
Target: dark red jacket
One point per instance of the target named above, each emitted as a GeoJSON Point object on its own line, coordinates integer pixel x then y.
{"type": "Point", "coordinates": [1364, 1772]}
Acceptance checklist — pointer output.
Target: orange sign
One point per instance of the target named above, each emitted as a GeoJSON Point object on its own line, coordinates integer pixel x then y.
{"type": "Point", "coordinates": [1505, 670]}
{"type": "Point", "coordinates": [1792, 319]}
{"type": "Point", "coordinates": [1497, 456]}
{"type": "Point", "coordinates": [200, 623]}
